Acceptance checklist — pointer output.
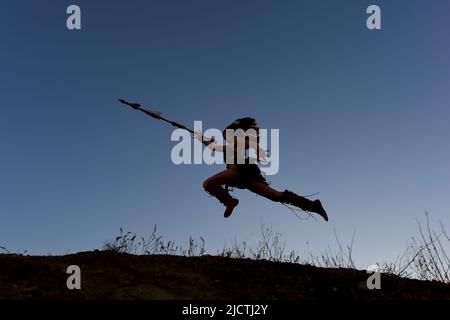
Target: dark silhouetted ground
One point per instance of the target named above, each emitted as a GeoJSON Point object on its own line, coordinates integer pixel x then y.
{"type": "Point", "coordinates": [108, 275]}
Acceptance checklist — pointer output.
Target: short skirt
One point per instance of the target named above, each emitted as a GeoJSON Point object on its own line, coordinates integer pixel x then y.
{"type": "Point", "coordinates": [248, 173]}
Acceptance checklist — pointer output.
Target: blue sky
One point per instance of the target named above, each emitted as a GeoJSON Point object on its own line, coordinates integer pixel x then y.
{"type": "Point", "coordinates": [363, 118]}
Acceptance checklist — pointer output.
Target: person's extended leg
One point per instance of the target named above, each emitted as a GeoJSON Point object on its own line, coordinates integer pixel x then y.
{"type": "Point", "coordinates": [214, 186]}
{"type": "Point", "coordinates": [264, 190]}
{"type": "Point", "coordinates": [287, 197]}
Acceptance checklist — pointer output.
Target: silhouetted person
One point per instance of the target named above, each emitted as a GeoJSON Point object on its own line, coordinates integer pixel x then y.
{"type": "Point", "coordinates": [246, 174]}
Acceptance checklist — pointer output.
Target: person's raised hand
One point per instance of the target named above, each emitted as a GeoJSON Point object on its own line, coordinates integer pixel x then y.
{"type": "Point", "coordinates": [198, 135]}
{"type": "Point", "coordinates": [262, 155]}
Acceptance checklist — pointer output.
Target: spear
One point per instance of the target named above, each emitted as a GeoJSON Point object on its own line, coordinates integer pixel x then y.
{"type": "Point", "coordinates": [157, 115]}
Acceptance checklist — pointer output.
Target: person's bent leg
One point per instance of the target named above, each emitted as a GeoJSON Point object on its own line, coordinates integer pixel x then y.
{"type": "Point", "coordinates": [214, 186]}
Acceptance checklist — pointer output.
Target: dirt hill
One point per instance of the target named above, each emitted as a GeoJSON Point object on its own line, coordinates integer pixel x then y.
{"type": "Point", "coordinates": [109, 275]}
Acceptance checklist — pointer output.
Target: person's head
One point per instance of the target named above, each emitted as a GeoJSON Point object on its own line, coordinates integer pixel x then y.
{"type": "Point", "coordinates": [244, 124]}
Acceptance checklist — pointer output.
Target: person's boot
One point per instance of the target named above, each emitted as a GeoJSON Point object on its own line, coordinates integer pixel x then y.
{"type": "Point", "coordinates": [289, 197]}
{"type": "Point", "coordinates": [231, 204]}
{"type": "Point", "coordinates": [224, 197]}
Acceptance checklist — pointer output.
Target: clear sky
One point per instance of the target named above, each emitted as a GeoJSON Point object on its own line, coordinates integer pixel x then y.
{"type": "Point", "coordinates": [363, 118]}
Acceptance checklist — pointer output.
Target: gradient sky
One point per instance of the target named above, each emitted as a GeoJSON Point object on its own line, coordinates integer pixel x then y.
{"type": "Point", "coordinates": [363, 118]}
